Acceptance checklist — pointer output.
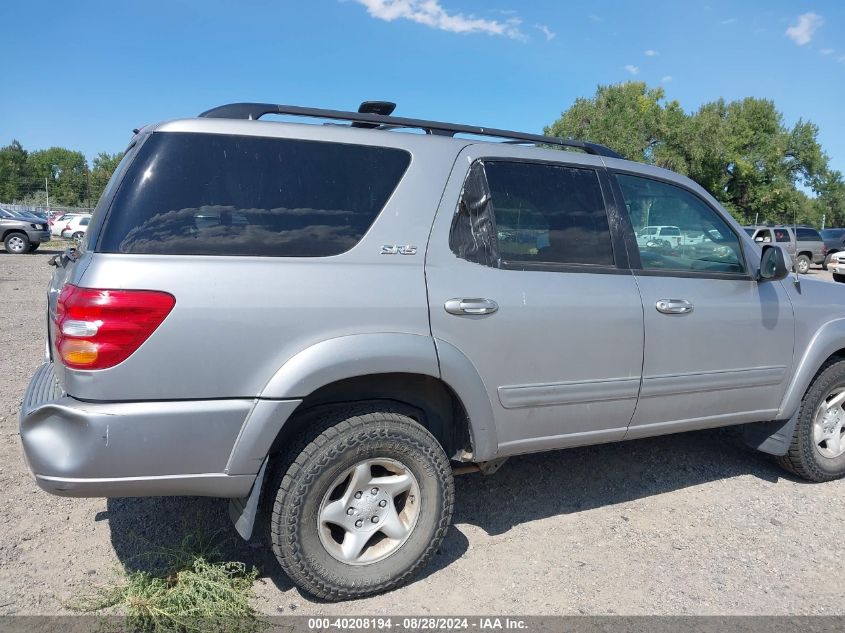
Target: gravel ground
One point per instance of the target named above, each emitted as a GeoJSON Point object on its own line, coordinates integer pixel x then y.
{"type": "Point", "coordinates": [685, 524]}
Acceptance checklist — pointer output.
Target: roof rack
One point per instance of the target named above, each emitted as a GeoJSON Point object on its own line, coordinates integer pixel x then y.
{"type": "Point", "coordinates": [369, 116]}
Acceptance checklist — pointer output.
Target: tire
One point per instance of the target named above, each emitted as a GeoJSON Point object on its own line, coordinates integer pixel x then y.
{"type": "Point", "coordinates": [314, 487]}
{"type": "Point", "coordinates": [839, 278]}
{"type": "Point", "coordinates": [78, 235]}
{"type": "Point", "coordinates": [807, 457]}
{"type": "Point", "coordinates": [34, 247]}
{"type": "Point", "coordinates": [17, 243]}
{"type": "Point", "coordinates": [802, 264]}
{"type": "Point", "coordinates": [827, 259]}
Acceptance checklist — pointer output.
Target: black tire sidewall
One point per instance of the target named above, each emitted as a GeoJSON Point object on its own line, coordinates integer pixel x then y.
{"type": "Point", "coordinates": [25, 239]}
{"type": "Point", "coordinates": [801, 259]}
{"type": "Point", "coordinates": [824, 468]}
{"type": "Point", "coordinates": [381, 438]}
{"type": "Point", "coordinates": [838, 278]}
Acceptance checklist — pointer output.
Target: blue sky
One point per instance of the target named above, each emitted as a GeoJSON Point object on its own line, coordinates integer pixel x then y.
{"type": "Point", "coordinates": [83, 74]}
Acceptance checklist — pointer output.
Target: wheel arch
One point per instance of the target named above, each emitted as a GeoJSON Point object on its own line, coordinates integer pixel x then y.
{"type": "Point", "coordinates": [826, 344]}
{"type": "Point", "coordinates": [437, 385]}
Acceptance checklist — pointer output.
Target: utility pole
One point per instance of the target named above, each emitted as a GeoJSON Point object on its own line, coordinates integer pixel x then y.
{"type": "Point", "coordinates": [756, 217]}
{"type": "Point", "coordinates": [47, 189]}
{"type": "Point", "coordinates": [824, 216]}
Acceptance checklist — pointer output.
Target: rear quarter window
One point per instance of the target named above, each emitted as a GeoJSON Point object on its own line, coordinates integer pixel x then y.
{"type": "Point", "coordinates": [210, 194]}
{"type": "Point", "coordinates": [810, 235]}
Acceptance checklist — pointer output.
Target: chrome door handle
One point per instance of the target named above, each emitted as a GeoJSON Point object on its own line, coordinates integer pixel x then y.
{"type": "Point", "coordinates": [674, 306]}
{"type": "Point", "coordinates": [471, 306]}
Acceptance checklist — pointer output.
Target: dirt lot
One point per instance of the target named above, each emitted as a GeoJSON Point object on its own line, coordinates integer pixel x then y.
{"type": "Point", "coordinates": [686, 524]}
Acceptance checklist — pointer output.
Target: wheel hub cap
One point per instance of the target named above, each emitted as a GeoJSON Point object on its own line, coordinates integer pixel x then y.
{"type": "Point", "coordinates": [369, 511]}
{"type": "Point", "coordinates": [829, 425]}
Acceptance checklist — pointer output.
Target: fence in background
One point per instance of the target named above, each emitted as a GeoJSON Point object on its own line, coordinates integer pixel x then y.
{"type": "Point", "coordinates": [52, 209]}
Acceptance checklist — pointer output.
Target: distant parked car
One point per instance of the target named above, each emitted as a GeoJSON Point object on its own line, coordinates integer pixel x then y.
{"type": "Point", "coordinates": [22, 233]}
{"type": "Point", "coordinates": [834, 239]}
{"type": "Point", "coordinates": [806, 247]}
{"type": "Point", "coordinates": [63, 221]}
{"type": "Point", "coordinates": [76, 227]}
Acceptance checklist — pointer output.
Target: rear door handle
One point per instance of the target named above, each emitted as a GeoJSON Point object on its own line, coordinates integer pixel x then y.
{"type": "Point", "coordinates": [471, 306]}
{"type": "Point", "coordinates": [674, 306]}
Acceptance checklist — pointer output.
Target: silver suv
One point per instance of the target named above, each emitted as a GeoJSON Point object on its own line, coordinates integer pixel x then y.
{"type": "Point", "coordinates": [322, 321]}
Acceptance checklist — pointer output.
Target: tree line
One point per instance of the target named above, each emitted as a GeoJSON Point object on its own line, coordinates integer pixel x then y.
{"type": "Point", "coordinates": [63, 174]}
{"type": "Point", "coordinates": [740, 151]}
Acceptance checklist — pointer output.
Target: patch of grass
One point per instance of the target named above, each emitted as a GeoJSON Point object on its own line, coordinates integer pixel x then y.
{"type": "Point", "coordinates": [195, 592]}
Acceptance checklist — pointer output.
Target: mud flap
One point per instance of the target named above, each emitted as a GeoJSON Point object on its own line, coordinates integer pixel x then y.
{"type": "Point", "coordinates": [771, 437]}
{"type": "Point", "coordinates": [243, 511]}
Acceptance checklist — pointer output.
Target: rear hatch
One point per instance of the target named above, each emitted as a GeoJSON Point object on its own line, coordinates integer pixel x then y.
{"type": "Point", "coordinates": [267, 245]}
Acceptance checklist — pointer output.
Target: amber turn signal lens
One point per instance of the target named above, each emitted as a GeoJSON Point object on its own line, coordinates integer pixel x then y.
{"type": "Point", "coordinates": [78, 353]}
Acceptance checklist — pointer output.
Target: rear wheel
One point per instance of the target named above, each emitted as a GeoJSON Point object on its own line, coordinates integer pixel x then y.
{"type": "Point", "coordinates": [34, 247]}
{"type": "Point", "coordinates": [363, 505]}
{"type": "Point", "coordinates": [817, 449]}
{"type": "Point", "coordinates": [16, 243]}
{"type": "Point", "coordinates": [802, 264]}
{"type": "Point", "coordinates": [839, 278]}
{"type": "Point", "coordinates": [78, 235]}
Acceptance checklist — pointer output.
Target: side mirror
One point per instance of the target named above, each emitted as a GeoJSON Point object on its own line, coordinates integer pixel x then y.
{"type": "Point", "coordinates": [772, 264]}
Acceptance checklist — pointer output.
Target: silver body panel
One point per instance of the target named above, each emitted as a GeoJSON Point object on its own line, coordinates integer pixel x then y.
{"type": "Point", "coordinates": [569, 358]}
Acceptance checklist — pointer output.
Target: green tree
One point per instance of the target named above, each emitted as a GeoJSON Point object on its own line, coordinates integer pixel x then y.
{"type": "Point", "coordinates": [65, 171]}
{"type": "Point", "coordinates": [14, 177]}
{"type": "Point", "coordinates": [102, 169]}
{"type": "Point", "coordinates": [740, 151]}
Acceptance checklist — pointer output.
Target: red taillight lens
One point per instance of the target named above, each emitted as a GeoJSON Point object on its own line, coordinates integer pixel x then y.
{"type": "Point", "coordinates": [97, 329]}
{"type": "Point", "coordinates": [67, 228]}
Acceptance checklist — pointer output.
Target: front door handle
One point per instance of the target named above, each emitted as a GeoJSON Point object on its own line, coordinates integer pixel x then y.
{"type": "Point", "coordinates": [471, 306]}
{"type": "Point", "coordinates": [674, 306]}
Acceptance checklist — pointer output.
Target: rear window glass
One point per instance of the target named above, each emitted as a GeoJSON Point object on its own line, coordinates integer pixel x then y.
{"type": "Point", "coordinates": [210, 194]}
{"type": "Point", "coordinates": [808, 234]}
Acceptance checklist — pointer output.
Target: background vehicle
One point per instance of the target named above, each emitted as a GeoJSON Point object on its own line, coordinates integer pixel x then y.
{"type": "Point", "coordinates": [61, 222]}
{"type": "Point", "coordinates": [76, 227]}
{"type": "Point", "coordinates": [480, 301]}
{"type": "Point", "coordinates": [806, 249]}
{"type": "Point", "coordinates": [834, 240]}
{"type": "Point", "coordinates": [21, 233]}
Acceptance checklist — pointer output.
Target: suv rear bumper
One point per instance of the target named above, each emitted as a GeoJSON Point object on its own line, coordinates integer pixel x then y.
{"type": "Point", "coordinates": [84, 449]}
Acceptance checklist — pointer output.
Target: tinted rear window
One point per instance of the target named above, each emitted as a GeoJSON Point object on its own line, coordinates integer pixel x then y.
{"type": "Point", "coordinates": [808, 234]}
{"type": "Point", "coordinates": [209, 194]}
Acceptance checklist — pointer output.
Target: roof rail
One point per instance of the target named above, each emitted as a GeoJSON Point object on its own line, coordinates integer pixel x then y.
{"type": "Point", "coordinates": [254, 111]}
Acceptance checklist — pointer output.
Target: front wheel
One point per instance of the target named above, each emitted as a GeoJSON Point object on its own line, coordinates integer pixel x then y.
{"type": "Point", "coordinates": [817, 449]}
{"type": "Point", "coordinates": [839, 278]}
{"type": "Point", "coordinates": [363, 506]}
{"type": "Point", "coordinates": [17, 243]}
{"type": "Point", "coordinates": [802, 264]}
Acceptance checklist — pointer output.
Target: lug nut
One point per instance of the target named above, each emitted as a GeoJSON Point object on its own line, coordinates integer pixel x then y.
{"type": "Point", "coordinates": [350, 512]}
{"type": "Point", "coordinates": [382, 503]}
{"type": "Point", "coordinates": [358, 494]}
{"type": "Point", "coordinates": [359, 523]}
{"type": "Point", "coordinates": [375, 519]}
{"type": "Point", "coordinates": [374, 491]}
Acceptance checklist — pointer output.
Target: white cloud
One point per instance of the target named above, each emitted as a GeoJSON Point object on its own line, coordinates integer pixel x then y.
{"type": "Point", "coordinates": [802, 32]}
{"type": "Point", "coordinates": [841, 59]}
{"type": "Point", "coordinates": [594, 17]}
{"type": "Point", "coordinates": [545, 30]}
{"type": "Point", "coordinates": [826, 51]}
{"type": "Point", "coordinates": [667, 78]}
{"type": "Point", "coordinates": [650, 53]}
{"type": "Point", "coordinates": [634, 70]}
{"type": "Point", "coordinates": [432, 14]}
{"type": "Point", "coordinates": [728, 21]}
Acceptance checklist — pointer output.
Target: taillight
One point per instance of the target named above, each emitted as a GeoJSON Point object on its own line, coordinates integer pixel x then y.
{"type": "Point", "coordinates": [67, 228]}
{"type": "Point", "coordinates": [97, 329]}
